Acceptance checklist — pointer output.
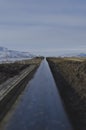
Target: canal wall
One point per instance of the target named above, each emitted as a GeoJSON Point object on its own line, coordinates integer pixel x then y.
{"type": "Point", "coordinates": [73, 103]}
{"type": "Point", "coordinates": [10, 90]}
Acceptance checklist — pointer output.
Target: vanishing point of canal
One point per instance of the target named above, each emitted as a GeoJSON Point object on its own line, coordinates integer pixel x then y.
{"type": "Point", "coordinates": [40, 106]}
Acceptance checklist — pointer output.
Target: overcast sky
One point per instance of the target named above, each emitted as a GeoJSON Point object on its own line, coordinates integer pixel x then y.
{"type": "Point", "coordinates": [46, 27]}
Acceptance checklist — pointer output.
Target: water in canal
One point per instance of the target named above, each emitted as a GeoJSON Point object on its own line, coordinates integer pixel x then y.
{"type": "Point", "coordinates": [41, 107]}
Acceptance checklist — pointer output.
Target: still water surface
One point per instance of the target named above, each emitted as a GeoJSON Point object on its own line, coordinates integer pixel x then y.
{"type": "Point", "coordinates": [41, 106]}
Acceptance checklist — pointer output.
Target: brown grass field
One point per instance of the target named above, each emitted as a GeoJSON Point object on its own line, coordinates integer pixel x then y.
{"type": "Point", "coordinates": [70, 77]}
{"type": "Point", "coordinates": [8, 70]}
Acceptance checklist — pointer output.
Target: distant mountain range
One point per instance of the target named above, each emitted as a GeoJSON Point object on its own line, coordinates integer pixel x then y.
{"type": "Point", "coordinates": [82, 55]}
{"type": "Point", "coordinates": [8, 54]}
{"type": "Point", "coordinates": [74, 55]}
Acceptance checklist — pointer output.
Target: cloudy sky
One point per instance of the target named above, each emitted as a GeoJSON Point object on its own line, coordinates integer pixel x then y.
{"type": "Point", "coordinates": [45, 27]}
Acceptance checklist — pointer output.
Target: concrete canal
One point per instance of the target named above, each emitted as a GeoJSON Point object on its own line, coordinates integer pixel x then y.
{"type": "Point", "coordinates": [40, 107]}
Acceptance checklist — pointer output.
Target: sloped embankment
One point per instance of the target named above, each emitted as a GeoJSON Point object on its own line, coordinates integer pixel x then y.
{"type": "Point", "coordinates": [17, 77]}
{"type": "Point", "coordinates": [70, 77]}
{"type": "Point", "coordinates": [9, 70]}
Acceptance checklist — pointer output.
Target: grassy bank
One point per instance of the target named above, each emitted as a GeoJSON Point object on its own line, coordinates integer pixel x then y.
{"type": "Point", "coordinates": [70, 76]}
{"type": "Point", "coordinates": [8, 70]}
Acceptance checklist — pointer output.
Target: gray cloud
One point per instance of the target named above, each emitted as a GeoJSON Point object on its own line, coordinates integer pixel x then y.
{"type": "Point", "coordinates": [43, 26]}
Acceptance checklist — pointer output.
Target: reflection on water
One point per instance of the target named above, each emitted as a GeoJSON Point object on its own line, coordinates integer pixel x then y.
{"type": "Point", "coordinates": [41, 107]}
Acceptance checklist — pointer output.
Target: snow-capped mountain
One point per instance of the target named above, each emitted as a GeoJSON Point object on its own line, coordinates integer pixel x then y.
{"type": "Point", "coordinates": [6, 53]}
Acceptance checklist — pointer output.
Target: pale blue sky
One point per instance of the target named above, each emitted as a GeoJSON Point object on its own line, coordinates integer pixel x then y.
{"type": "Point", "coordinates": [46, 27]}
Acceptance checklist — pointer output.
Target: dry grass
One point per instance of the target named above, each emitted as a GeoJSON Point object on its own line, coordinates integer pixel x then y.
{"type": "Point", "coordinates": [74, 72]}
{"type": "Point", "coordinates": [9, 70]}
{"type": "Point", "coordinates": [73, 91]}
